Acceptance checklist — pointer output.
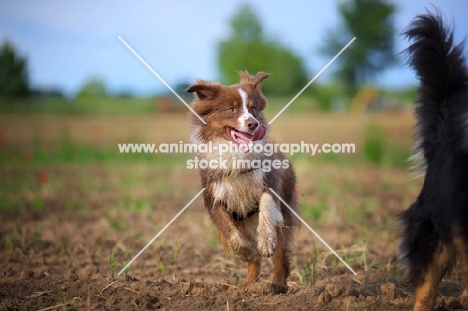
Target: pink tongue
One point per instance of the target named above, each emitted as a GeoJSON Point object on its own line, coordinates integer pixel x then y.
{"type": "Point", "coordinates": [244, 139]}
{"type": "Point", "coordinates": [243, 136]}
{"type": "Point", "coordinates": [260, 133]}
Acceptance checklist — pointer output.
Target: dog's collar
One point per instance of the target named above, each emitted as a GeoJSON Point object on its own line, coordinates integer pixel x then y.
{"type": "Point", "coordinates": [252, 212]}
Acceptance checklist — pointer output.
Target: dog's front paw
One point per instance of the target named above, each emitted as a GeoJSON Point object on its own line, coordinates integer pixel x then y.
{"type": "Point", "coordinates": [266, 244]}
{"type": "Point", "coordinates": [243, 248]}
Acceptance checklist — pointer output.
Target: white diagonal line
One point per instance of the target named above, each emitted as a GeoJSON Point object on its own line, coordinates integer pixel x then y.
{"type": "Point", "coordinates": [161, 79]}
{"type": "Point", "coordinates": [160, 232]}
{"type": "Point", "coordinates": [313, 79]}
{"type": "Point", "coordinates": [315, 233]}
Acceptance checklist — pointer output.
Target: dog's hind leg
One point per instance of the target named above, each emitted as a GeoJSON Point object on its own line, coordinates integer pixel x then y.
{"type": "Point", "coordinates": [461, 245]}
{"type": "Point", "coordinates": [281, 258]}
{"type": "Point", "coordinates": [253, 271]}
{"type": "Point", "coordinates": [427, 251]}
{"type": "Point", "coordinates": [425, 293]}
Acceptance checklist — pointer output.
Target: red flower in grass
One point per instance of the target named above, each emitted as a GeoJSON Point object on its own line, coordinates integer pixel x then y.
{"type": "Point", "coordinates": [43, 177]}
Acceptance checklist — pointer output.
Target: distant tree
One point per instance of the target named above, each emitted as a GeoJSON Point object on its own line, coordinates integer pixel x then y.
{"type": "Point", "coordinates": [93, 88]}
{"type": "Point", "coordinates": [370, 21]}
{"type": "Point", "coordinates": [124, 94]}
{"type": "Point", "coordinates": [46, 93]}
{"type": "Point", "coordinates": [248, 48]}
{"type": "Point", "coordinates": [14, 80]}
{"type": "Point", "coordinates": [180, 88]}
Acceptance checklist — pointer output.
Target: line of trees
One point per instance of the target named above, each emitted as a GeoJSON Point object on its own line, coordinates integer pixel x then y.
{"type": "Point", "coordinates": [248, 48]}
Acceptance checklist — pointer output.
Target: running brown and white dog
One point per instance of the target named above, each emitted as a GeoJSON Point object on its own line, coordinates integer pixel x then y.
{"type": "Point", "coordinates": [436, 224]}
{"type": "Point", "coordinates": [250, 220]}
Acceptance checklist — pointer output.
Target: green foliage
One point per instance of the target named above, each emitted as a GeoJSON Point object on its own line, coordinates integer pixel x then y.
{"type": "Point", "coordinates": [381, 149]}
{"type": "Point", "coordinates": [93, 88]}
{"type": "Point", "coordinates": [248, 48]}
{"type": "Point", "coordinates": [370, 21]}
{"type": "Point", "coordinates": [374, 143]}
{"type": "Point", "coordinates": [325, 95]}
{"type": "Point", "coordinates": [37, 204]}
{"type": "Point", "coordinates": [69, 151]}
{"type": "Point", "coordinates": [95, 106]}
{"type": "Point", "coordinates": [308, 271]}
{"type": "Point", "coordinates": [114, 264]}
{"type": "Point", "coordinates": [13, 72]}
{"type": "Point", "coordinates": [314, 212]}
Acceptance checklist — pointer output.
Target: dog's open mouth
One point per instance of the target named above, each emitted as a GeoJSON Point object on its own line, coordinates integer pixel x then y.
{"type": "Point", "coordinates": [243, 139]}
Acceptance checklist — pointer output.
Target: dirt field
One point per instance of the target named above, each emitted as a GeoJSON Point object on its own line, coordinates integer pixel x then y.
{"type": "Point", "coordinates": [71, 220]}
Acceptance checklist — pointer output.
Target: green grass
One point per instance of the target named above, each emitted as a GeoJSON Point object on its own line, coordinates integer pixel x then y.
{"type": "Point", "coordinates": [357, 214]}
{"type": "Point", "coordinates": [314, 212]}
{"type": "Point", "coordinates": [29, 184]}
{"type": "Point", "coordinates": [114, 264]}
{"type": "Point", "coordinates": [67, 151]}
{"type": "Point", "coordinates": [379, 149]}
{"type": "Point", "coordinates": [320, 208]}
{"type": "Point", "coordinates": [94, 106]}
{"type": "Point", "coordinates": [317, 97]}
{"type": "Point", "coordinates": [308, 270]}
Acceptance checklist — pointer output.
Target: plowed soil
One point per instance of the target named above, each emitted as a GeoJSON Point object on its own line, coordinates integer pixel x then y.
{"type": "Point", "coordinates": [69, 226]}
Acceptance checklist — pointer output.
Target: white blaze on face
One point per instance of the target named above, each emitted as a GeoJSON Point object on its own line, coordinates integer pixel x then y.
{"type": "Point", "coordinates": [241, 121]}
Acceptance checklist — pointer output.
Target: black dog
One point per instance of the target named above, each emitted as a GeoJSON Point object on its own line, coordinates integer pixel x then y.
{"type": "Point", "coordinates": [435, 227]}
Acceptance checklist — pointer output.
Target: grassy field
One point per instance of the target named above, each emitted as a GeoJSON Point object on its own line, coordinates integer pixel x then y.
{"type": "Point", "coordinates": [315, 99]}
{"type": "Point", "coordinates": [74, 210]}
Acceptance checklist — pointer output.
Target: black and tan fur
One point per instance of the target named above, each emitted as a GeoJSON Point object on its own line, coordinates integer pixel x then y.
{"type": "Point", "coordinates": [435, 227]}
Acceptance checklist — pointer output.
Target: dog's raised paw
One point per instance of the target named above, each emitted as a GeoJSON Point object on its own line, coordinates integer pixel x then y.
{"type": "Point", "coordinates": [266, 245]}
{"type": "Point", "coordinates": [243, 248]}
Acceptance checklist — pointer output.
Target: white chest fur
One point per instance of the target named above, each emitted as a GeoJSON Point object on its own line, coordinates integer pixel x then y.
{"type": "Point", "coordinates": [240, 192]}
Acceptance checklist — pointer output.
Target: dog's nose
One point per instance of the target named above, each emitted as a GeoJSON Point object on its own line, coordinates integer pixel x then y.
{"type": "Point", "coordinates": [252, 124]}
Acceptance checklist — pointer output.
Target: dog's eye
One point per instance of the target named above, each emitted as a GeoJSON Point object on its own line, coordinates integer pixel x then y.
{"type": "Point", "coordinates": [231, 109]}
{"type": "Point", "coordinates": [253, 109]}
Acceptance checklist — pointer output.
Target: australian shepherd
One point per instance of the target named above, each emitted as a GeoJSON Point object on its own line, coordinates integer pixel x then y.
{"type": "Point", "coordinates": [436, 224]}
{"type": "Point", "coordinates": [250, 220]}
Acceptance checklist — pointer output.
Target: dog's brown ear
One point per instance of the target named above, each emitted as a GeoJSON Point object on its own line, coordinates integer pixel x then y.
{"type": "Point", "coordinates": [205, 90]}
{"type": "Point", "coordinates": [254, 81]}
{"type": "Point", "coordinates": [245, 76]}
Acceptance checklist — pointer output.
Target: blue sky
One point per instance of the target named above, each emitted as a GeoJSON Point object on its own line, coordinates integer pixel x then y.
{"type": "Point", "coordinates": [69, 41]}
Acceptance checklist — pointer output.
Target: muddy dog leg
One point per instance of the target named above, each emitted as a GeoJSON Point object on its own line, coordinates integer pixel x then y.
{"type": "Point", "coordinates": [268, 219]}
{"type": "Point", "coordinates": [230, 235]}
{"type": "Point", "coordinates": [425, 293]}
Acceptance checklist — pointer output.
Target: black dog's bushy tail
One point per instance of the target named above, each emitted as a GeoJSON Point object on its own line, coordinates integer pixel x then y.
{"type": "Point", "coordinates": [432, 222]}
{"type": "Point", "coordinates": [443, 74]}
